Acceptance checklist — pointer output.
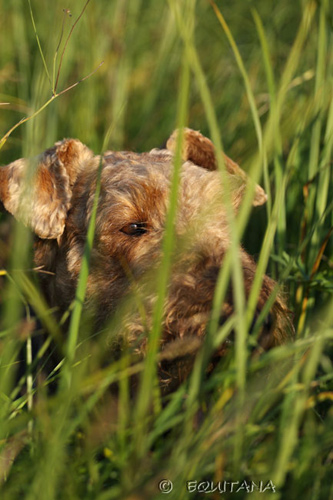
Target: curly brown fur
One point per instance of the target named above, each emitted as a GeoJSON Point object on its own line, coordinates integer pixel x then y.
{"type": "Point", "coordinates": [130, 222]}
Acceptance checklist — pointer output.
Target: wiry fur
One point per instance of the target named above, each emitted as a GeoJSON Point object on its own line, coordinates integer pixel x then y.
{"type": "Point", "coordinates": [135, 189]}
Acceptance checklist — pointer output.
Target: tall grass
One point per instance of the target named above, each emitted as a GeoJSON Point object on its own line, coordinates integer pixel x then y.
{"type": "Point", "coordinates": [257, 78]}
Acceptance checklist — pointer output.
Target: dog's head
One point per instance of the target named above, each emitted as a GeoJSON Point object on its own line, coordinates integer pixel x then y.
{"type": "Point", "coordinates": [54, 195]}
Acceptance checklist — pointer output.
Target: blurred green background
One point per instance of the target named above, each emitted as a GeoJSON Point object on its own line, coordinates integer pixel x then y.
{"type": "Point", "coordinates": [135, 90]}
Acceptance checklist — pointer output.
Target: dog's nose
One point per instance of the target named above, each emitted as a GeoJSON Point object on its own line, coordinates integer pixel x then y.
{"type": "Point", "coordinates": [267, 324]}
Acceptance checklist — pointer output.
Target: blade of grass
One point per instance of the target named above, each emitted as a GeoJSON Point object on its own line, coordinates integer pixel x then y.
{"type": "Point", "coordinates": [66, 13]}
{"type": "Point", "coordinates": [319, 96]}
{"type": "Point", "coordinates": [66, 43]}
{"type": "Point", "coordinates": [74, 326]}
{"type": "Point", "coordinates": [38, 42]}
{"type": "Point", "coordinates": [325, 174]}
{"type": "Point", "coordinates": [149, 374]}
{"type": "Point", "coordinates": [281, 225]}
{"type": "Point", "coordinates": [12, 311]}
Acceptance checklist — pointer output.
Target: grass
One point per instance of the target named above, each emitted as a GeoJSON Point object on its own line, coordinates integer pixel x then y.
{"type": "Point", "coordinates": [257, 78]}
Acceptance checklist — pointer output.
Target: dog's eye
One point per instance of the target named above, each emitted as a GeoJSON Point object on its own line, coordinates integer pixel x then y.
{"type": "Point", "coordinates": [135, 229]}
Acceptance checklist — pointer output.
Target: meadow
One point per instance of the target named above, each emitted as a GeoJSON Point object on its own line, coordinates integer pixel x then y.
{"type": "Point", "coordinates": [256, 77]}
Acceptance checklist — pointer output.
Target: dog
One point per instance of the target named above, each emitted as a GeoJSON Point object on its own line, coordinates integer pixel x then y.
{"type": "Point", "coordinates": [54, 195]}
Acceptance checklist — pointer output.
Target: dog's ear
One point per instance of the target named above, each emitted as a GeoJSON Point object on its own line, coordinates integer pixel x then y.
{"type": "Point", "coordinates": [200, 150]}
{"type": "Point", "coordinates": [38, 192]}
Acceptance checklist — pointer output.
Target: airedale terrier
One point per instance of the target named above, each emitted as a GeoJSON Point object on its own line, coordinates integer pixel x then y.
{"type": "Point", "coordinates": [130, 224]}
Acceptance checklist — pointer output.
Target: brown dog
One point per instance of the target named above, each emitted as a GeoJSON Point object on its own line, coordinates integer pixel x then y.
{"type": "Point", "coordinates": [56, 198]}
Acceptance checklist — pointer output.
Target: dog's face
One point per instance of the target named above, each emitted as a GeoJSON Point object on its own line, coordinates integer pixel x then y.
{"type": "Point", "coordinates": [56, 200]}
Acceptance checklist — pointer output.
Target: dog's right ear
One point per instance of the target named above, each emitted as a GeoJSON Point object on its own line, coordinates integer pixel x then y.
{"type": "Point", "coordinates": [201, 151]}
{"type": "Point", "coordinates": [38, 192]}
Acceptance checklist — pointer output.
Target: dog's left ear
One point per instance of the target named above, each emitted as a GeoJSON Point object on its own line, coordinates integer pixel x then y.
{"type": "Point", "coordinates": [38, 192]}
{"type": "Point", "coordinates": [201, 151]}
